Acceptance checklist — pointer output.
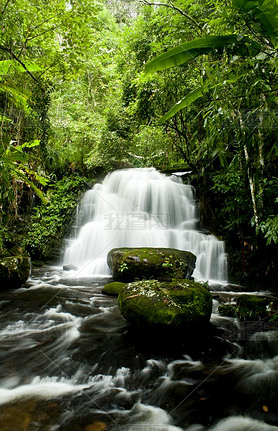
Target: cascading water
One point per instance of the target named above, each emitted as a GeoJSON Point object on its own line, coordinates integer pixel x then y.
{"type": "Point", "coordinates": [142, 208]}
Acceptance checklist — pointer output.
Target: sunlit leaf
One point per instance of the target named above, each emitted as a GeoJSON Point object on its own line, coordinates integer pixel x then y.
{"type": "Point", "coordinates": [31, 144]}
{"type": "Point", "coordinates": [265, 408]}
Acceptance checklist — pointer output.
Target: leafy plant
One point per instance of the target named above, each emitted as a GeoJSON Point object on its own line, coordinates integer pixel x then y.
{"type": "Point", "coordinates": [50, 223]}
{"type": "Point", "coordinates": [123, 267]}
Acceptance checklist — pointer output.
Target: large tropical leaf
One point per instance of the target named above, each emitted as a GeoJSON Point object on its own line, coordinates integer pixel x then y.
{"type": "Point", "coordinates": [204, 45]}
{"type": "Point", "coordinates": [184, 102]}
{"type": "Point", "coordinates": [194, 95]}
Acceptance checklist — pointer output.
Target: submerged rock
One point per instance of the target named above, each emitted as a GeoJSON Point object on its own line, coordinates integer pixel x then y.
{"type": "Point", "coordinates": [129, 264]}
{"type": "Point", "coordinates": [14, 271]}
{"type": "Point", "coordinates": [70, 267]}
{"type": "Point", "coordinates": [113, 289]}
{"type": "Point", "coordinates": [180, 304]}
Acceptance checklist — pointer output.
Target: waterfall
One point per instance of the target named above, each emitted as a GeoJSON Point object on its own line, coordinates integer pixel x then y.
{"type": "Point", "coordinates": [142, 208]}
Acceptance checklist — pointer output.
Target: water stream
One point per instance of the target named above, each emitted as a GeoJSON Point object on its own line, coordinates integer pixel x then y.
{"type": "Point", "coordinates": [70, 362]}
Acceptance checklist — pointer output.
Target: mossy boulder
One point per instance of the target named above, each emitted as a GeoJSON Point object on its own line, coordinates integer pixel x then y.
{"type": "Point", "coordinates": [180, 304]}
{"type": "Point", "coordinates": [14, 271]}
{"type": "Point", "coordinates": [130, 264]}
{"type": "Point", "coordinates": [113, 289]}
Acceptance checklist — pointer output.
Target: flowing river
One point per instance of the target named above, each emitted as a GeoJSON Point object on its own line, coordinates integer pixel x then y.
{"type": "Point", "coordinates": [70, 361]}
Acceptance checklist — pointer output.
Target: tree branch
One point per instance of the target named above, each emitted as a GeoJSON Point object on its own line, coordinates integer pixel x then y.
{"type": "Point", "coordinates": [30, 31]}
{"type": "Point", "coordinates": [172, 6]}
{"type": "Point", "coordinates": [40, 34]}
{"type": "Point", "coordinates": [179, 147]}
{"type": "Point", "coordinates": [10, 51]}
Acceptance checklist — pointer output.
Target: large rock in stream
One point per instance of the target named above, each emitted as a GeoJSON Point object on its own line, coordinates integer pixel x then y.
{"type": "Point", "coordinates": [14, 271]}
{"type": "Point", "coordinates": [180, 304]}
{"type": "Point", "coordinates": [130, 264]}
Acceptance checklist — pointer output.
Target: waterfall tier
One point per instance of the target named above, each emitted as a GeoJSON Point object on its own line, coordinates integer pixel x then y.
{"type": "Point", "coordinates": [142, 208]}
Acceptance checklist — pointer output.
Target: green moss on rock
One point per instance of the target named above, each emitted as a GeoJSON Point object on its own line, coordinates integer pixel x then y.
{"type": "Point", "coordinates": [252, 307]}
{"type": "Point", "coordinates": [228, 310]}
{"type": "Point", "coordinates": [113, 289]}
{"type": "Point", "coordinates": [180, 304]}
{"type": "Point", "coordinates": [14, 271]}
{"type": "Point", "coordinates": [130, 264]}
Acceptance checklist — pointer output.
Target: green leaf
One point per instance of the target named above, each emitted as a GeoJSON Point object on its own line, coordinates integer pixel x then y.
{"type": "Point", "coordinates": [31, 144]}
{"type": "Point", "coordinates": [18, 97]}
{"type": "Point", "coordinates": [16, 155]}
{"type": "Point", "coordinates": [7, 66]}
{"type": "Point", "coordinates": [183, 103]}
{"type": "Point", "coordinates": [268, 17]}
{"type": "Point", "coordinates": [205, 45]}
{"type": "Point", "coordinates": [30, 183]}
{"type": "Point", "coordinates": [264, 11]}
{"type": "Point", "coordinates": [3, 119]}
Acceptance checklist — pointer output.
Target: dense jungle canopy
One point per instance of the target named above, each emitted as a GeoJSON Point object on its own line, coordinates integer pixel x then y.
{"type": "Point", "coordinates": [89, 86]}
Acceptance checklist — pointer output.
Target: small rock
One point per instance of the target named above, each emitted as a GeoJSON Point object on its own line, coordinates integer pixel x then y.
{"type": "Point", "coordinates": [70, 267]}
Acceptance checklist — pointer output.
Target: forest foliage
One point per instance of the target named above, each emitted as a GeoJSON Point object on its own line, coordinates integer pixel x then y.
{"type": "Point", "coordinates": [88, 87]}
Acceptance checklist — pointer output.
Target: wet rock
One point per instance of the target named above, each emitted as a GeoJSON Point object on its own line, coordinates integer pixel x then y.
{"type": "Point", "coordinates": [14, 271]}
{"type": "Point", "coordinates": [113, 288]}
{"type": "Point", "coordinates": [180, 304]}
{"type": "Point", "coordinates": [70, 267]}
{"type": "Point", "coordinates": [130, 264]}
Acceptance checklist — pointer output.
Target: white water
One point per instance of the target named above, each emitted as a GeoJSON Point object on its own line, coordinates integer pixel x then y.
{"type": "Point", "coordinates": [142, 208]}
